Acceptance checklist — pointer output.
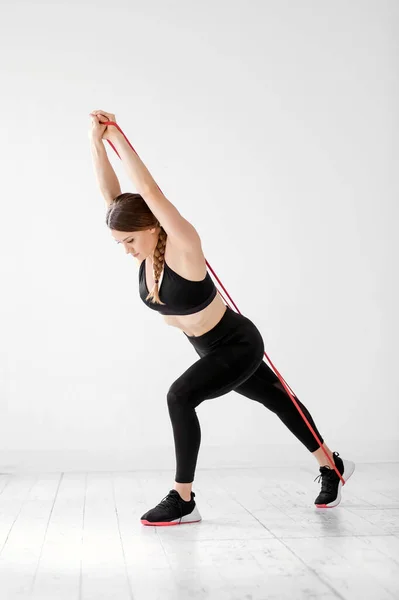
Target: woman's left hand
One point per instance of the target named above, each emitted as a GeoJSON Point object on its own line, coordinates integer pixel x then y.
{"type": "Point", "coordinates": [104, 116]}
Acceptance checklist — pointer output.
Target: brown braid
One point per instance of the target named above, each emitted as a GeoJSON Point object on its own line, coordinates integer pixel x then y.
{"type": "Point", "coordinates": [158, 265]}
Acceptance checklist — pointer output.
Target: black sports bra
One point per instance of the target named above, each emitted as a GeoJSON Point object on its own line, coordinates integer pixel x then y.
{"type": "Point", "coordinates": [181, 296]}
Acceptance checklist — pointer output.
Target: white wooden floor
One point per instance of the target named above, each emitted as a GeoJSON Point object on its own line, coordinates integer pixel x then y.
{"type": "Point", "coordinates": [78, 535]}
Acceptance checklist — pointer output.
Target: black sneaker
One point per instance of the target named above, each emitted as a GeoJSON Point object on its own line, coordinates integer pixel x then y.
{"type": "Point", "coordinates": [172, 510]}
{"type": "Point", "coordinates": [330, 494]}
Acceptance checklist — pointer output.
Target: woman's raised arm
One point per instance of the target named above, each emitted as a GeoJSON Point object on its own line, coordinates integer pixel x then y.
{"type": "Point", "coordinates": [105, 174]}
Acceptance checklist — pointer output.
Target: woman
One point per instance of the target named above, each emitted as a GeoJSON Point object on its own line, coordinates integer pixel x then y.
{"type": "Point", "coordinates": [173, 280]}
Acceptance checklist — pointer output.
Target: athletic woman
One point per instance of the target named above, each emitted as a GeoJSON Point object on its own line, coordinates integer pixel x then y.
{"type": "Point", "coordinates": [173, 280]}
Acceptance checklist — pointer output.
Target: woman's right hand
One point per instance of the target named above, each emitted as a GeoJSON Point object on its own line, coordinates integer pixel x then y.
{"type": "Point", "coordinates": [96, 129]}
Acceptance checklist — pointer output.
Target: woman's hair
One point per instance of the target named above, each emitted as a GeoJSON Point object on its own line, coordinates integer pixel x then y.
{"type": "Point", "coordinates": [129, 212]}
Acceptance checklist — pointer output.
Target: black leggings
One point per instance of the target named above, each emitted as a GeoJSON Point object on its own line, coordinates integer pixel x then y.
{"type": "Point", "coordinates": [231, 358]}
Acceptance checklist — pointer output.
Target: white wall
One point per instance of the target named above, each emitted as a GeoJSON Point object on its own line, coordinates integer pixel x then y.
{"type": "Point", "coordinates": [273, 127]}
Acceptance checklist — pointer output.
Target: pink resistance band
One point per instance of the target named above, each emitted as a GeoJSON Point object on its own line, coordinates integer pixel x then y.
{"type": "Point", "coordinates": [283, 382]}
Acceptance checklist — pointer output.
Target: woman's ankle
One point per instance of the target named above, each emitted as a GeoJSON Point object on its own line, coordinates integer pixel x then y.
{"type": "Point", "coordinates": [321, 457]}
{"type": "Point", "coordinates": [184, 490]}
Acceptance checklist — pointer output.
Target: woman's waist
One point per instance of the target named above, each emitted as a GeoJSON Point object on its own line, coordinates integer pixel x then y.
{"type": "Point", "coordinates": [196, 324]}
{"type": "Point", "coordinates": [231, 326]}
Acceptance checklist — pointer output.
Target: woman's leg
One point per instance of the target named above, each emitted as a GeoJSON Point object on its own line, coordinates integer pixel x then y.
{"type": "Point", "coordinates": [265, 387]}
{"type": "Point", "coordinates": [228, 354]}
{"type": "Point", "coordinates": [213, 375]}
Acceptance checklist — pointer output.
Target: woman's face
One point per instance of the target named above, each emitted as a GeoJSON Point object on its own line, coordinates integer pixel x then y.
{"type": "Point", "coordinates": [139, 244]}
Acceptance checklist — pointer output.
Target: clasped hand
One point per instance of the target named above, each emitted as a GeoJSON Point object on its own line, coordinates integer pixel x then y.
{"type": "Point", "coordinates": [99, 131]}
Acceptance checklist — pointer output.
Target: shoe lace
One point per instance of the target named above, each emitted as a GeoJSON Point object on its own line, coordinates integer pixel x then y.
{"type": "Point", "coordinates": [327, 479]}
{"type": "Point", "coordinates": [172, 500]}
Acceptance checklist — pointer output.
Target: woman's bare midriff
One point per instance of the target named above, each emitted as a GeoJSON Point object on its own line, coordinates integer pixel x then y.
{"type": "Point", "coordinates": [201, 322]}
{"type": "Point", "coordinates": [192, 266]}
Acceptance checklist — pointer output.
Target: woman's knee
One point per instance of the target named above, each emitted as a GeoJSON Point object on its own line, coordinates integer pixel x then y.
{"type": "Point", "coordinates": [180, 400]}
{"type": "Point", "coordinates": [177, 400]}
{"type": "Point", "coordinates": [174, 399]}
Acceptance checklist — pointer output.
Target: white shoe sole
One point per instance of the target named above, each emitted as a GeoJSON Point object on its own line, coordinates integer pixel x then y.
{"type": "Point", "coordinates": [349, 468]}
